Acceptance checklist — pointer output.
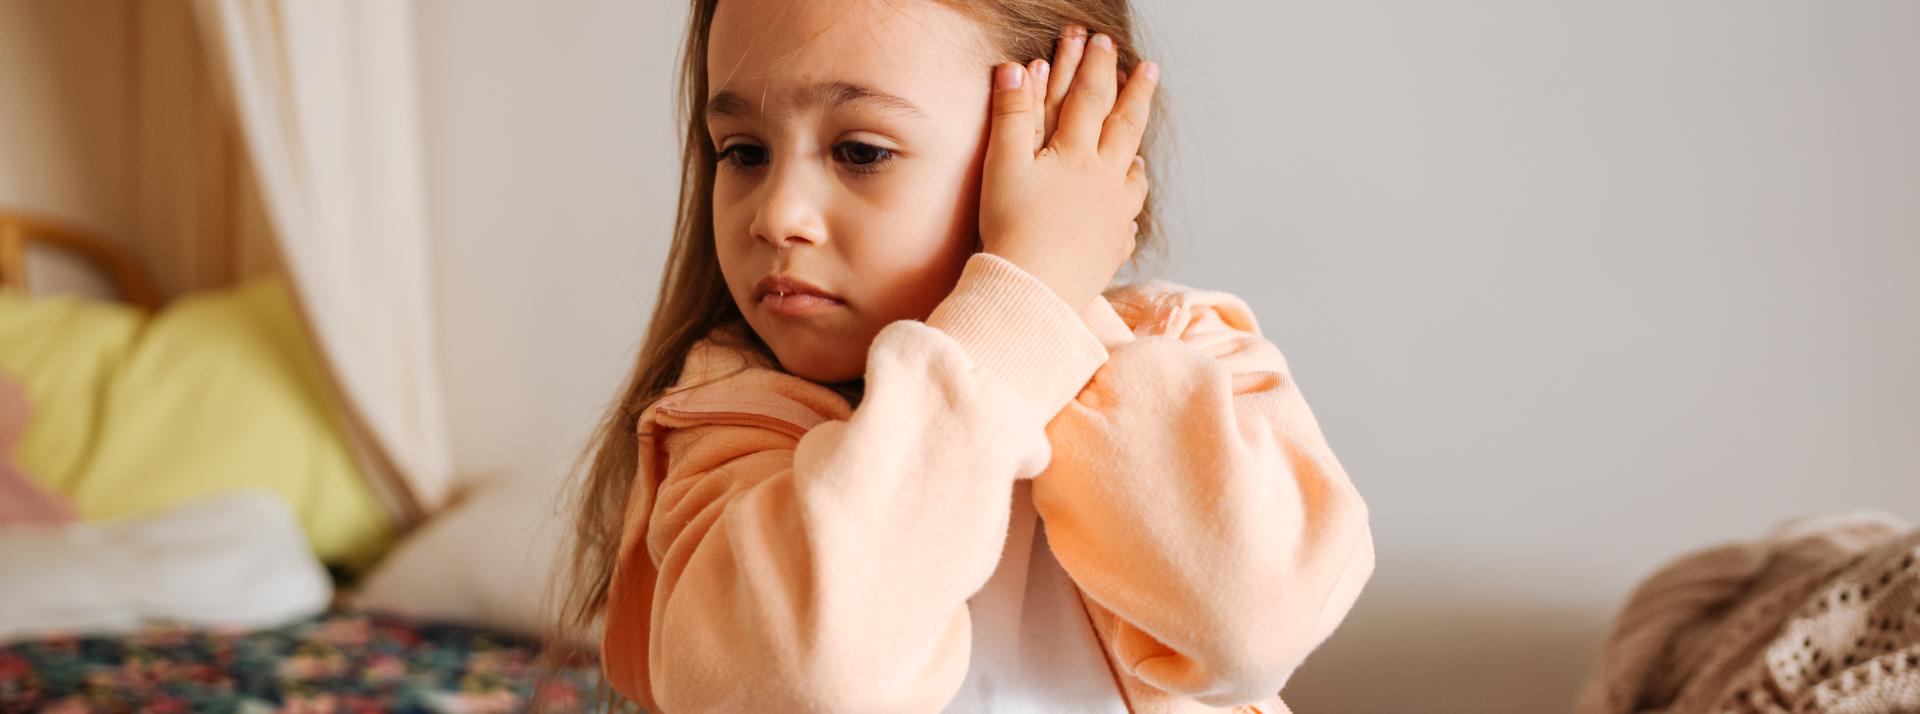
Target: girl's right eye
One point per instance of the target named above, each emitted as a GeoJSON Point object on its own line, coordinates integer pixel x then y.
{"type": "Point", "coordinates": [742, 156]}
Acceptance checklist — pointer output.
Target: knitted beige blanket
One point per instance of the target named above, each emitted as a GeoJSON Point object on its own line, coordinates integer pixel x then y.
{"type": "Point", "coordinates": [1820, 615]}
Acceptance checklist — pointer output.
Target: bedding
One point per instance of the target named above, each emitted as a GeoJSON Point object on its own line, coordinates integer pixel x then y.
{"type": "Point", "coordinates": [486, 560]}
{"type": "Point", "coordinates": [343, 660]}
{"type": "Point", "coordinates": [60, 350]}
{"type": "Point", "coordinates": [237, 559]}
{"type": "Point", "coordinates": [22, 499]}
{"type": "Point", "coordinates": [1821, 615]}
{"type": "Point", "coordinates": [220, 390]}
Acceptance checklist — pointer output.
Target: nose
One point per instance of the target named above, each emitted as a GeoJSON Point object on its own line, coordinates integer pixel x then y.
{"type": "Point", "coordinates": [790, 208]}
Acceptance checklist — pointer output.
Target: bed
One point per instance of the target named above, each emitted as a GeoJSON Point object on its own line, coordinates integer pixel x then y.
{"type": "Point", "coordinates": [335, 655]}
{"type": "Point", "coordinates": [340, 661]}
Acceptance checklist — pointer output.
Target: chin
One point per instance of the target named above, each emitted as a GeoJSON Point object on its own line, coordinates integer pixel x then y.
{"type": "Point", "coordinates": [822, 366]}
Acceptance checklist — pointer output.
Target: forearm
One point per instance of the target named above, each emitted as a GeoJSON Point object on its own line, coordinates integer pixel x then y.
{"type": "Point", "coordinates": [1195, 505]}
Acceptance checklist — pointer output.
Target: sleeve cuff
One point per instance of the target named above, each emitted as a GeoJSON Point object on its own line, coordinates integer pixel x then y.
{"type": "Point", "coordinates": [1014, 326]}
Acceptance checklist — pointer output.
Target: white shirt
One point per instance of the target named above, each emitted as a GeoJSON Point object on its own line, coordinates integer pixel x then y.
{"type": "Point", "coordinates": [1034, 650]}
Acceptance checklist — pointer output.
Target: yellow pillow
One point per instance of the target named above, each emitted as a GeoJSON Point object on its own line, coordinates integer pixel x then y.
{"type": "Point", "coordinates": [61, 350]}
{"type": "Point", "coordinates": [220, 391]}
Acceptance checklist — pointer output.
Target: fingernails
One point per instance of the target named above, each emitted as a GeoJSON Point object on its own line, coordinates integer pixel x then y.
{"type": "Point", "coordinates": [1008, 76]}
{"type": "Point", "coordinates": [1046, 70]}
{"type": "Point", "coordinates": [1102, 41]}
{"type": "Point", "coordinates": [1151, 69]}
{"type": "Point", "coordinates": [1077, 32]}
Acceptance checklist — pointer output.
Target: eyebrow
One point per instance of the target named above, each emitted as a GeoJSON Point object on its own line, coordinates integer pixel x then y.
{"type": "Point", "coordinates": [833, 94]}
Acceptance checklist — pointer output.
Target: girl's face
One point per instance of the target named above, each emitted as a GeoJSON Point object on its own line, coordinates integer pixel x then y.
{"type": "Point", "coordinates": [850, 134]}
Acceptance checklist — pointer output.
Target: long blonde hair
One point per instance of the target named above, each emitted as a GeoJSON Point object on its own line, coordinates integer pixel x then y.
{"type": "Point", "coordinates": [693, 297]}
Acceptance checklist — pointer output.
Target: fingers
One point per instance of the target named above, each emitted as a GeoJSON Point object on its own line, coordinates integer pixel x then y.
{"type": "Point", "coordinates": [1012, 127]}
{"type": "Point", "coordinates": [1090, 97]}
{"type": "Point", "coordinates": [1039, 70]}
{"type": "Point", "coordinates": [1137, 179]}
{"type": "Point", "coordinates": [1066, 58]}
{"type": "Point", "coordinates": [1137, 185]}
{"type": "Point", "coordinates": [1121, 133]}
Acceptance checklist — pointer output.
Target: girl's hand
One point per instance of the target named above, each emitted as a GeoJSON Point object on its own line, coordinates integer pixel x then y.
{"type": "Point", "coordinates": [1062, 207]}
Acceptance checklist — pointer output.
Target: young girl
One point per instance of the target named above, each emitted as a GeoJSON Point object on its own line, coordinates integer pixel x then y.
{"type": "Point", "coordinates": [889, 448]}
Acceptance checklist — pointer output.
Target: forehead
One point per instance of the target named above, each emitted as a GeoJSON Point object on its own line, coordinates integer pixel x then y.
{"type": "Point", "coordinates": [778, 53]}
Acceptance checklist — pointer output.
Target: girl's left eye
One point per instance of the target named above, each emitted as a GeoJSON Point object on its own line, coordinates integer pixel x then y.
{"type": "Point", "coordinates": [862, 157]}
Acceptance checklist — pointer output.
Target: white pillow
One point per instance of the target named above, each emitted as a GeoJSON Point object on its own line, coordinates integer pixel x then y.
{"type": "Point", "coordinates": [485, 561]}
{"type": "Point", "coordinates": [235, 560]}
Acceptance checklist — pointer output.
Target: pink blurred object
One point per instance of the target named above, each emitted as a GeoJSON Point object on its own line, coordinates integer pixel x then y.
{"type": "Point", "coordinates": [22, 500]}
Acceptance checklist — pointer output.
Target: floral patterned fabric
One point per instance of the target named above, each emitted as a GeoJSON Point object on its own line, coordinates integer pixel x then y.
{"type": "Point", "coordinates": [343, 661]}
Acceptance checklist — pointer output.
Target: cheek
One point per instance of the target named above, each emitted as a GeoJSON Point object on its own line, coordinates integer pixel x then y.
{"type": "Point", "coordinates": [937, 203]}
{"type": "Point", "coordinates": [732, 243]}
{"type": "Point", "coordinates": [913, 252]}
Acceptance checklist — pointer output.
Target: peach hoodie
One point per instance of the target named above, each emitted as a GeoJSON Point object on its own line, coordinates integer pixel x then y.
{"type": "Point", "coordinates": [785, 552]}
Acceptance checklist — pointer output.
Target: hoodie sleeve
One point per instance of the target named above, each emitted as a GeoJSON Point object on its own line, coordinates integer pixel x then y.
{"type": "Point", "coordinates": [829, 570]}
{"type": "Point", "coordinates": [1192, 495]}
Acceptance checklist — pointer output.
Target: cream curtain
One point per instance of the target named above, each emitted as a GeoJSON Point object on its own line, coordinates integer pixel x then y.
{"type": "Point", "coordinates": [326, 100]}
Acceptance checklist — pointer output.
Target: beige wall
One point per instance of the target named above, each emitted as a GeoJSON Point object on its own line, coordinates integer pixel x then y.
{"type": "Point", "coordinates": [1571, 289]}
{"type": "Point", "coordinates": [65, 134]}
{"type": "Point", "coordinates": [550, 179]}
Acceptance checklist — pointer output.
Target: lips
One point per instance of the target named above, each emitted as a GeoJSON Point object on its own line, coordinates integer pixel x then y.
{"type": "Point", "coordinates": [792, 297]}
{"type": "Point", "coordinates": [785, 285]}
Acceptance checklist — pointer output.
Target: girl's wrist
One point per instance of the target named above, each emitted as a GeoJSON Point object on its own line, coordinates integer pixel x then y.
{"type": "Point", "coordinates": [1043, 270]}
{"type": "Point", "coordinates": [1003, 316]}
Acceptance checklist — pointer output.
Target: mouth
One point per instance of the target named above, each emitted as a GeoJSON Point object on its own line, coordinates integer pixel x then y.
{"type": "Point", "coordinates": [787, 295]}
